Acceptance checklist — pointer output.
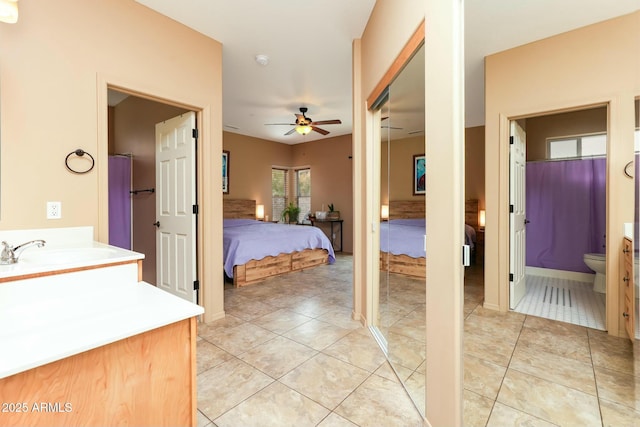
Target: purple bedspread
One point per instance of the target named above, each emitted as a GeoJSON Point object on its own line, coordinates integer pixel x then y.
{"type": "Point", "coordinates": [403, 237]}
{"type": "Point", "coordinates": [247, 239]}
{"type": "Point", "coordinates": [406, 237]}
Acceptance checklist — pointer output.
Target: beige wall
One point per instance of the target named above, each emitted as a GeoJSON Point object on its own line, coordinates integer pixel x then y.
{"type": "Point", "coordinates": [540, 128]}
{"type": "Point", "coordinates": [56, 63]}
{"type": "Point", "coordinates": [331, 178]}
{"type": "Point", "coordinates": [402, 157]}
{"type": "Point", "coordinates": [132, 128]}
{"type": "Point", "coordinates": [251, 160]}
{"type": "Point", "coordinates": [594, 65]}
{"type": "Point", "coordinates": [400, 164]}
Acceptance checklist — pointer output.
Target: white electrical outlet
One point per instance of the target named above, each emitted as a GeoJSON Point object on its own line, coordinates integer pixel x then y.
{"type": "Point", "coordinates": [54, 210]}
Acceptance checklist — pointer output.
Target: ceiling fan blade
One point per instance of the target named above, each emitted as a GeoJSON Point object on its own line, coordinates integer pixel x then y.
{"type": "Point", "coordinates": [290, 132]}
{"type": "Point", "coordinates": [327, 122]}
{"type": "Point", "coordinates": [322, 131]}
{"type": "Point", "coordinates": [279, 124]}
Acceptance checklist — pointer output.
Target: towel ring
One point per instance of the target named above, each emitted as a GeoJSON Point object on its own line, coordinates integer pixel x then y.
{"type": "Point", "coordinates": [80, 153]}
{"type": "Point", "coordinates": [626, 172]}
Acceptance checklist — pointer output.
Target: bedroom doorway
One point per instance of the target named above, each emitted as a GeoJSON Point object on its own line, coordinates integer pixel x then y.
{"type": "Point", "coordinates": [557, 216]}
{"type": "Point", "coordinates": [131, 131]}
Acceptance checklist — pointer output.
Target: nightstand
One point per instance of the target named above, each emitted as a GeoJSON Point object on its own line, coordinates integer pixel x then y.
{"type": "Point", "coordinates": [480, 246]}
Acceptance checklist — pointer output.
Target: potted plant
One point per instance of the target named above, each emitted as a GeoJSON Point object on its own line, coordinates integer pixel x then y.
{"type": "Point", "coordinates": [290, 213]}
{"type": "Point", "coordinates": [333, 214]}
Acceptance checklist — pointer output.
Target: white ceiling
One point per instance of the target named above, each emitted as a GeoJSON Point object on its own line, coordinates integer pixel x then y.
{"type": "Point", "coordinates": [309, 46]}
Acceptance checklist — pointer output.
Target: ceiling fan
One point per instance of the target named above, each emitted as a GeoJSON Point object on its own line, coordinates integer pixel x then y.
{"type": "Point", "coordinates": [304, 124]}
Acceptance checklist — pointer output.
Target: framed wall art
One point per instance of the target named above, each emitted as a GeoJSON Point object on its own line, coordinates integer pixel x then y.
{"type": "Point", "coordinates": [419, 169]}
{"type": "Point", "coordinates": [225, 172]}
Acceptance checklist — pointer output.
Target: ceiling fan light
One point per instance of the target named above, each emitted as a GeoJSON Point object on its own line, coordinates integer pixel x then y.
{"type": "Point", "coordinates": [9, 11]}
{"type": "Point", "coordinates": [303, 130]}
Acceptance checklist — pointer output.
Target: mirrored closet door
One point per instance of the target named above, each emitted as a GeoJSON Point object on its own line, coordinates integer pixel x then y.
{"type": "Point", "coordinates": [401, 294]}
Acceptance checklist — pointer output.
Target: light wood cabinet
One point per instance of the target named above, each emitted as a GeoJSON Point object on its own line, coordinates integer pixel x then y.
{"type": "Point", "coordinates": [629, 289]}
{"type": "Point", "coordinates": [144, 380]}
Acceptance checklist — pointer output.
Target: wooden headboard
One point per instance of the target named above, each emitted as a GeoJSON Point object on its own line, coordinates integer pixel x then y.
{"type": "Point", "coordinates": [471, 213]}
{"type": "Point", "coordinates": [404, 209]}
{"type": "Point", "coordinates": [238, 209]}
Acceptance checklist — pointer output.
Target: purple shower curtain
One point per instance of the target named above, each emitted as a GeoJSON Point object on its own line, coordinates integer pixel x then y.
{"type": "Point", "coordinates": [566, 206]}
{"type": "Point", "coordinates": [120, 201]}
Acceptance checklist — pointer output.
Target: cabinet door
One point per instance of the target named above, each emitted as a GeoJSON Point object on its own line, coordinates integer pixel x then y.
{"type": "Point", "coordinates": [629, 290]}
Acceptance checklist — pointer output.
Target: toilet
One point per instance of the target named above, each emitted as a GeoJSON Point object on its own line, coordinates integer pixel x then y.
{"type": "Point", "coordinates": [597, 262]}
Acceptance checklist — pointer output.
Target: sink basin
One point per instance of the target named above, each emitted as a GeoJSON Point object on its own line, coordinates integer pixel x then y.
{"type": "Point", "coordinates": [65, 256]}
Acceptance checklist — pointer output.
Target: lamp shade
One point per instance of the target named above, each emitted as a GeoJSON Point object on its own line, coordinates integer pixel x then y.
{"type": "Point", "coordinates": [481, 218]}
{"type": "Point", "coordinates": [303, 130]}
{"type": "Point", "coordinates": [9, 11]}
{"type": "Point", "coordinates": [384, 212]}
{"type": "Point", "coordinates": [260, 211]}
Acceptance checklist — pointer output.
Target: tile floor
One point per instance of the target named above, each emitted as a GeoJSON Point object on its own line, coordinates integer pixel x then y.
{"type": "Point", "coordinates": [288, 354]}
{"type": "Point", "coordinates": [569, 301]}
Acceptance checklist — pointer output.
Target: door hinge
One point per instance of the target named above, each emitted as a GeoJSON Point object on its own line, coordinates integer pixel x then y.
{"type": "Point", "coordinates": [194, 133]}
{"type": "Point", "coordinates": [510, 208]}
{"type": "Point", "coordinates": [511, 277]}
{"type": "Point", "coordinates": [196, 285]}
{"type": "Point", "coordinates": [195, 210]}
{"type": "Point", "coordinates": [511, 140]}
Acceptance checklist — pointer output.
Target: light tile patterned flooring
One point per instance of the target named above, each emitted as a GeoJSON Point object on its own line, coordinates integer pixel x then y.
{"type": "Point", "coordinates": [565, 300]}
{"type": "Point", "coordinates": [288, 354]}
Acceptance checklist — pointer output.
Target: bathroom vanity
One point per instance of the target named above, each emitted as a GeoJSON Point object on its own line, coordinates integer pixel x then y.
{"type": "Point", "coordinates": [85, 342]}
{"type": "Point", "coordinates": [629, 288]}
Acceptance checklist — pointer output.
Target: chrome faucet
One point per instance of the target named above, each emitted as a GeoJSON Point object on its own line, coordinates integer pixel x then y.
{"type": "Point", "coordinates": [10, 254]}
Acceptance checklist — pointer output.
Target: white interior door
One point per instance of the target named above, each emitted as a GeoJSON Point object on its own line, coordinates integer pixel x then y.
{"type": "Point", "coordinates": [517, 160]}
{"type": "Point", "coordinates": [175, 200]}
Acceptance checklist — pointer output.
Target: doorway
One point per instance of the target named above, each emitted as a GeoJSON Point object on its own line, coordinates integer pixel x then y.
{"type": "Point", "coordinates": [132, 132]}
{"type": "Point", "coordinates": [558, 216]}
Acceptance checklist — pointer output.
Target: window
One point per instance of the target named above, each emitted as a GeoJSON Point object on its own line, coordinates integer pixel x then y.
{"type": "Point", "coordinates": [282, 192]}
{"type": "Point", "coordinates": [279, 191]}
{"type": "Point", "coordinates": [577, 147]}
{"type": "Point", "coordinates": [303, 192]}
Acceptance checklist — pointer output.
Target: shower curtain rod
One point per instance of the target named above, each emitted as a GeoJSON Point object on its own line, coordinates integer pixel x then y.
{"type": "Point", "coordinates": [566, 159]}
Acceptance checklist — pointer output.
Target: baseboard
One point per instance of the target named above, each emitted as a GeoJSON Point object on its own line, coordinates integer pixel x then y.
{"type": "Point", "coordinates": [560, 274]}
{"type": "Point", "coordinates": [488, 306]}
{"type": "Point", "coordinates": [359, 318]}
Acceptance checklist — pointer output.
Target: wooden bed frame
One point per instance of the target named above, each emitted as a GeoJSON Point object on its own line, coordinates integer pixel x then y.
{"type": "Point", "coordinates": [406, 209]}
{"type": "Point", "coordinates": [256, 271]}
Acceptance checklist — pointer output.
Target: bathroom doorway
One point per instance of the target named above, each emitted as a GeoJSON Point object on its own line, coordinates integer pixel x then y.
{"type": "Point", "coordinates": [132, 121]}
{"type": "Point", "coordinates": [557, 261]}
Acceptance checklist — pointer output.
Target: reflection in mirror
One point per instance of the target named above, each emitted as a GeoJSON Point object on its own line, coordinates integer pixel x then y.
{"type": "Point", "coordinates": [380, 287]}
{"type": "Point", "coordinates": [402, 293]}
{"type": "Point", "coordinates": [636, 225]}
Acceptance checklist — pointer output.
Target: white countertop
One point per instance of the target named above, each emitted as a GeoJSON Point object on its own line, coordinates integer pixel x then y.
{"type": "Point", "coordinates": [628, 230]}
{"type": "Point", "coordinates": [52, 318]}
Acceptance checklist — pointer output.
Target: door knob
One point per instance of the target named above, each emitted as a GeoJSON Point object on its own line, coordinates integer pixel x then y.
{"type": "Point", "coordinates": [526, 221]}
{"type": "Point", "coordinates": [157, 224]}
{"type": "Point", "coordinates": [625, 315]}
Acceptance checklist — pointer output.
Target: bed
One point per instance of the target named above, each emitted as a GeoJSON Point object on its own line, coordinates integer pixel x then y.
{"type": "Point", "coordinates": [255, 250]}
{"type": "Point", "coordinates": [402, 236]}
